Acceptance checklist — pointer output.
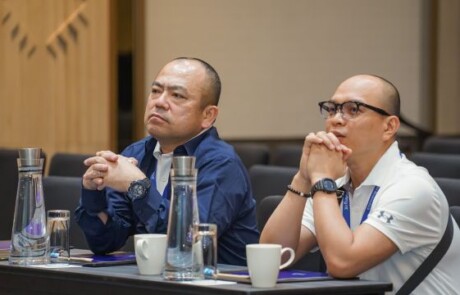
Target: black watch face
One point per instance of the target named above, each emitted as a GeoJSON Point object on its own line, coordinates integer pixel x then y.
{"type": "Point", "coordinates": [329, 185]}
{"type": "Point", "coordinates": [138, 190]}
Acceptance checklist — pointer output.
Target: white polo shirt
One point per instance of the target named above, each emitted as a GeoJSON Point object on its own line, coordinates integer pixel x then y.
{"type": "Point", "coordinates": [411, 210]}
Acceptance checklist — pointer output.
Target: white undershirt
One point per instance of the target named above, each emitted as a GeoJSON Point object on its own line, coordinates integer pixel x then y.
{"type": "Point", "coordinates": [164, 162]}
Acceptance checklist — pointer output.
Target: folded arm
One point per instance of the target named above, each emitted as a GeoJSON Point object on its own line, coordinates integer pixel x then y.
{"type": "Point", "coordinates": [124, 218]}
{"type": "Point", "coordinates": [106, 215]}
{"type": "Point", "coordinates": [284, 225]}
{"type": "Point", "coordinates": [347, 253]}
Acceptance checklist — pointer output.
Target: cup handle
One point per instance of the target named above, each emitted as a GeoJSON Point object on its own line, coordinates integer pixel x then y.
{"type": "Point", "coordinates": [291, 257]}
{"type": "Point", "coordinates": [141, 248]}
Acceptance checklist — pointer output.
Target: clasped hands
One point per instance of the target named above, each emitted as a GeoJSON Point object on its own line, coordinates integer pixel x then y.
{"type": "Point", "coordinates": [107, 169]}
{"type": "Point", "coordinates": [323, 156]}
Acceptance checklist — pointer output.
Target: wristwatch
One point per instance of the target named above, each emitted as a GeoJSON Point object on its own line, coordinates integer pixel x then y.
{"type": "Point", "coordinates": [326, 185]}
{"type": "Point", "coordinates": [138, 188]}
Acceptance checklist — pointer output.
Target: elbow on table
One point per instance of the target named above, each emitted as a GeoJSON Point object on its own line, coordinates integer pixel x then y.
{"type": "Point", "coordinates": [96, 249]}
{"type": "Point", "coordinates": [341, 269]}
{"type": "Point", "coordinates": [101, 246]}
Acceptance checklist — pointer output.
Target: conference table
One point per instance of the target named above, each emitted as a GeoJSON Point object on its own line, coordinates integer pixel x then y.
{"type": "Point", "coordinates": [125, 279]}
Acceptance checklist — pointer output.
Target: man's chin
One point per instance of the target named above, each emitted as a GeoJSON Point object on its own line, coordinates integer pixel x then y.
{"type": "Point", "coordinates": [156, 131]}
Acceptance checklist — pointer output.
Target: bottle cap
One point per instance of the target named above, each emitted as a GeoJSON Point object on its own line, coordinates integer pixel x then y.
{"type": "Point", "coordinates": [183, 165]}
{"type": "Point", "coordinates": [29, 156]}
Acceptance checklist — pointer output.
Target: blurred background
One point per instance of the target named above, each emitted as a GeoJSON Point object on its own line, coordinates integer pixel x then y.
{"type": "Point", "coordinates": [75, 74]}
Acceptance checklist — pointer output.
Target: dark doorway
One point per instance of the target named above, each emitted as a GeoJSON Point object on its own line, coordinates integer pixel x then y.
{"type": "Point", "coordinates": [125, 73]}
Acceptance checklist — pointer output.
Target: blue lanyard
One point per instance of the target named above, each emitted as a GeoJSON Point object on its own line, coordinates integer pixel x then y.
{"type": "Point", "coordinates": [346, 206]}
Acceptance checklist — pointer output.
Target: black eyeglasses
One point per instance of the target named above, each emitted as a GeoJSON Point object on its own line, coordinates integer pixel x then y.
{"type": "Point", "coordinates": [349, 109]}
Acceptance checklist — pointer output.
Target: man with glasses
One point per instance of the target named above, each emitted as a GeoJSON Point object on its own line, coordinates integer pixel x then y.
{"type": "Point", "coordinates": [372, 213]}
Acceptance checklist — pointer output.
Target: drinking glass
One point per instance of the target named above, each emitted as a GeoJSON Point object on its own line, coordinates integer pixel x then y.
{"type": "Point", "coordinates": [206, 239]}
{"type": "Point", "coordinates": [58, 223]}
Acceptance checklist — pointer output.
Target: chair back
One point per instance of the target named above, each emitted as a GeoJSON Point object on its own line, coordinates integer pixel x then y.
{"type": "Point", "coordinates": [438, 165]}
{"type": "Point", "coordinates": [442, 145]}
{"type": "Point", "coordinates": [8, 188]}
{"type": "Point", "coordinates": [252, 153]}
{"type": "Point", "coordinates": [455, 211]}
{"type": "Point", "coordinates": [66, 164]}
{"type": "Point", "coordinates": [286, 155]}
{"type": "Point", "coordinates": [265, 209]}
{"type": "Point", "coordinates": [269, 180]}
{"type": "Point", "coordinates": [64, 193]}
{"type": "Point", "coordinates": [451, 189]}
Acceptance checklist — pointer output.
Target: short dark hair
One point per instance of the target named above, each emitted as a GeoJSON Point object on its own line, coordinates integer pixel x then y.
{"type": "Point", "coordinates": [393, 99]}
{"type": "Point", "coordinates": [214, 80]}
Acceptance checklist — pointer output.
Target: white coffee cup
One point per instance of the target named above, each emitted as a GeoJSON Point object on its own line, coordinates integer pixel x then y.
{"type": "Point", "coordinates": [150, 253]}
{"type": "Point", "coordinates": [264, 263]}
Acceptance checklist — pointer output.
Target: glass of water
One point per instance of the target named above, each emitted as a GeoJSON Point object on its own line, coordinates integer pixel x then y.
{"type": "Point", "coordinates": [58, 223]}
{"type": "Point", "coordinates": [206, 238]}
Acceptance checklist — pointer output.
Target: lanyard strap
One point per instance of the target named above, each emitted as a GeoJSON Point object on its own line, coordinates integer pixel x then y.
{"type": "Point", "coordinates": [346, 206]}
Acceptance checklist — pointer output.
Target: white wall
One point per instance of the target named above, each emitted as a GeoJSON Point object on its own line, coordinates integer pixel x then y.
{"type": "Point", "coordinates": [448, 69]}
{"type": "Point", "coordinates": [278, 58]}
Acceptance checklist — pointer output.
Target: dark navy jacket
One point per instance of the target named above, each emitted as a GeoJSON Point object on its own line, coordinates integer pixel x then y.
{"type": "Point", "coordinates": [223, 192]}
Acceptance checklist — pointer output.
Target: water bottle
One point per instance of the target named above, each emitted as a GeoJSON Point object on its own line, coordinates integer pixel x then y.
{"type": "Point", "coordinates": [29, 237]}
{"type": "Point", "coordinates": [184, 259]}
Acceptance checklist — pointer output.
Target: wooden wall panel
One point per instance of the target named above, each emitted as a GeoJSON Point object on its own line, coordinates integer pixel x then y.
{"type": "Point", "coordinates": [57, 75]}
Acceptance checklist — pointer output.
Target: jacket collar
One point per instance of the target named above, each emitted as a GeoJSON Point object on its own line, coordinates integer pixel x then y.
{"type": "Point", "coordinates": [185, 149]}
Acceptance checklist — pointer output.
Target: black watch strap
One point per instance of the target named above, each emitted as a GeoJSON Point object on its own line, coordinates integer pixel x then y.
{"type": "Point", "coordinates": [329, 187]}
{"type": "Point", "coordinates": [326, 185]}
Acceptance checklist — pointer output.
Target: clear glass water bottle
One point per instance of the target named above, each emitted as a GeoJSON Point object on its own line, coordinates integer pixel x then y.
{"type": "Point", "coordinates": [184, 259]}
{"type": "Point", "coordinates": [29, 237]}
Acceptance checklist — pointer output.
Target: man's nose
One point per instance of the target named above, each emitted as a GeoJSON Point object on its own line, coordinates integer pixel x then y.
{"type": "Point", "coordinates": [340, 114]}
{"type": "Point", "coordinates": [162, 100]}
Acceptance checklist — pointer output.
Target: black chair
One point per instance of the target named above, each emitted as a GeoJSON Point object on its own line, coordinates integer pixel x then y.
{"type": "Point", "coordinates": [66, 164]}
{"type": "Point", "coordinates": [269, 180]}
{"type": "Point", "coordinates": [451, 189]}
{"type": "Point", "coordinates": [8, 188]}
{"type": "Point", "coordinates": [286, 155]}
{"type": "Point", "coordinates": [438, 165]}
{"type": "Point", "coordinates": [129, 245]}
{"type": "Point", "coordinates": [265, 209]}
{"type": "Point", "coordinates": [252, 153]}
{"type": "Point", "coordinates": [312, 261]}
{"type": "Point", "coordinates": [64, 193]}
{"type": "Point", "coordinates": [455, 211]}
{"type": "Point", "coordinates": [442, 145]}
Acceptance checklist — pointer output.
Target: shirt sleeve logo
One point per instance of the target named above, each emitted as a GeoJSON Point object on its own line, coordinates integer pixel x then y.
{"type": "Point", "coordinates": [385, 217]}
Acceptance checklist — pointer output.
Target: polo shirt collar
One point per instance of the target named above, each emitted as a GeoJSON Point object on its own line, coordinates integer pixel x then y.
{"type": "Point", "coordinates": [380, 171]}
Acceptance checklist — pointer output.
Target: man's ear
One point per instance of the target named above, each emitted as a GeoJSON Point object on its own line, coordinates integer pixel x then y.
{"type": "Point", "coordinates": [210, 113]}
{"type": "Point", "coordinates": [391, 126]}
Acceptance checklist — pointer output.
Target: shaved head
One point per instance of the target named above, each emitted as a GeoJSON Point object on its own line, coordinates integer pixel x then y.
{"type": "Point", "coordinates": [390, 96]}
{"type": "Point", "coordinates": [380, 89]}
{"type": "Point", "coordinates": [212, 90]}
